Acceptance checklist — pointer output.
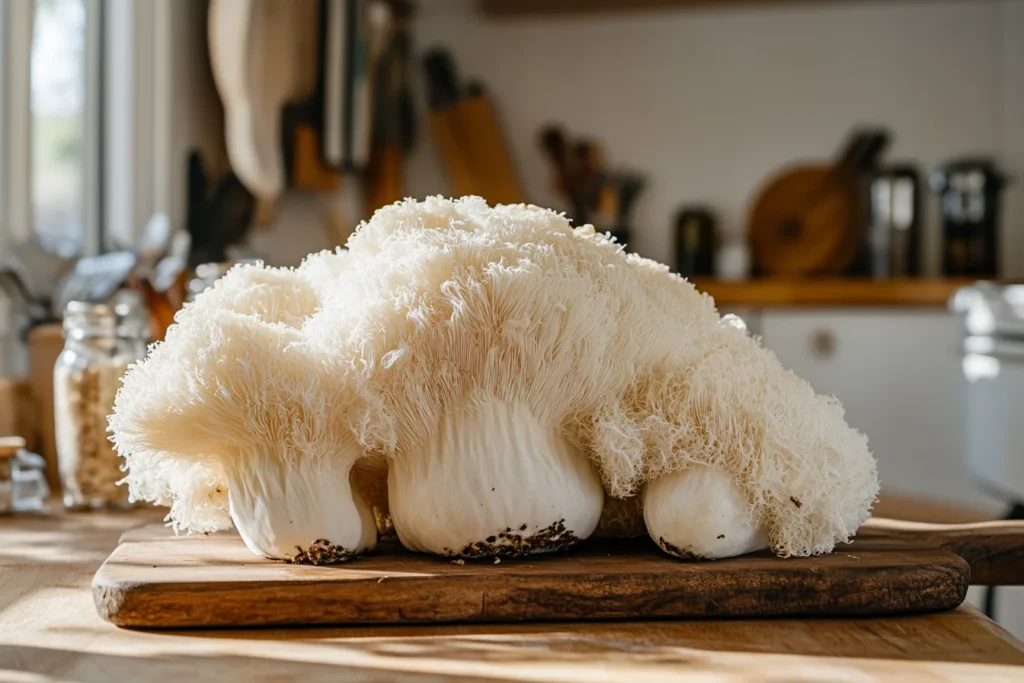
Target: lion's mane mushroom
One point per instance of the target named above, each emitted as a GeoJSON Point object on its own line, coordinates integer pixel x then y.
{"type": "Point", "coordinates": [237, 407]}
{"type": "Point", "coordinates": [523, 362]}
{"type": "Point", "coordinates": [510, 372]}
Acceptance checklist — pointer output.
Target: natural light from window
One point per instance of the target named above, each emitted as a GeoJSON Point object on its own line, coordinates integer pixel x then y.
{"type": "Point", "coordinates": [58, 86]}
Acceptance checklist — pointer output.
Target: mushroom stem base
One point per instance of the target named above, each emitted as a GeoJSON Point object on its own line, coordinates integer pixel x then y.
{"type": "Point", "coordinates": [701, 513]}
{"type": "Point", "coordinates": [493, 480]}
{"type": "Point", "coordinates": [299, 511]}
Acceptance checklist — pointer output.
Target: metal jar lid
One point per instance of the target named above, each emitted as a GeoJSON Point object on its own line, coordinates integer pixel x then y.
{"type": "Point", "coordinates": [132, 314]}
{"type": "Point", "coordinates": [83, 319]}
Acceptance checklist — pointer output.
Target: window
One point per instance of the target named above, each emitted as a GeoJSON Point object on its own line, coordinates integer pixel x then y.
{"type": "Point", "coordinates": [51, 124]}
{"type": "Point", "coordinates": [78, 134]}
{"type": "Point", "coordinates": [85, 129]}
{"type": "Point", "coordinates": [60, 125]}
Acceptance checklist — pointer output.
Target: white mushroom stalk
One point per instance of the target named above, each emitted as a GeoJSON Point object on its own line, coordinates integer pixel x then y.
{"type": "Point", "coordinates": [299, 509]}
{"type": "Point", "coordinates": [701, 513]}
{"type": "Point", "coordinates": [493, 480]}
{"type": "Point", "coordinates": [245, 409]}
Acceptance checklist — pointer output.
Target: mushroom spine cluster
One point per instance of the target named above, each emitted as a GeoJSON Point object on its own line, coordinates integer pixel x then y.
{"type": "Point", "coordinates": [496, 383]}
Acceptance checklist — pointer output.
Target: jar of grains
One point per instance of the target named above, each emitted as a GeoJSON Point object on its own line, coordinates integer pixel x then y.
{"type": "Point", "coordinates": [100, 341]}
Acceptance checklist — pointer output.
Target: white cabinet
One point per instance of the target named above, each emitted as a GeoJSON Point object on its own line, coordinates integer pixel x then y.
{"type": "Point", "coordinates": [898, 374]}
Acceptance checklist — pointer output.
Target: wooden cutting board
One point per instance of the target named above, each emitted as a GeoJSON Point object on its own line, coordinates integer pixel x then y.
{"type": "Point", "coordinates": [153, 580]}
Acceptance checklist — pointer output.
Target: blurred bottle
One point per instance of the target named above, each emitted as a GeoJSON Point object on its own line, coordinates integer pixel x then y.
{"type": "Point", "coordinates": [22, 484]}
{"type": "Point", "coordinates": [893, 244]}
{"type": "Point", "coordinates": [969, 191]}
{"type": "Point", "coordinates": [733, 261]}
{"type": "Point", "coordinates": [696, 241]}
{"type": "Point", "coordinates": [101, 341]}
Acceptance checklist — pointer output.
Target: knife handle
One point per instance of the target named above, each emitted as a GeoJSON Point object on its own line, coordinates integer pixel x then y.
{"type": "Point", "coordinates": [487, 149]}
{"type": "Point", "coordinates": [444, 125]}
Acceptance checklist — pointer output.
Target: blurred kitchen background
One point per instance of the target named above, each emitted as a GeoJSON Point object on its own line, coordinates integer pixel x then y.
{"type": "Point", "coordinates": [840, 174]}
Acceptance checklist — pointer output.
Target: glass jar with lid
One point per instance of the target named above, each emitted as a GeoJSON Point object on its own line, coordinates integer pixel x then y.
{"type": "Point", "coordinates": [101, 340]}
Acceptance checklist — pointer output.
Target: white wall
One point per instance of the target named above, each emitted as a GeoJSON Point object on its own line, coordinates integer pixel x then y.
{"type": "Point", "coordinates": [709, 103]}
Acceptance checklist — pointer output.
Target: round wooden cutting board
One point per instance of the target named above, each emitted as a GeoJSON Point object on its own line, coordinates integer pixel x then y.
{"type": "Point", "coordinates": [806, 221]}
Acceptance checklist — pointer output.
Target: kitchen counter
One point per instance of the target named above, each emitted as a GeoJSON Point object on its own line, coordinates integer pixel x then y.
{"type": "Point", "coordinates": [49, 629]}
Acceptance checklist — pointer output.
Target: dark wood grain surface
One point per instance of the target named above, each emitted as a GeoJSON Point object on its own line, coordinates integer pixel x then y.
{"type": "Point", "coordinates": [994, 550]}
{"type": "Point", "coordinates": [153, 580]}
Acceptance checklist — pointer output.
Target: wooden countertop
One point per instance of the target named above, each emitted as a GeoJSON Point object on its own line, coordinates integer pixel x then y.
{"type": "Point", "coordinates": [830, 292]}
{"type": "Point", "coordinates": [49, 629]}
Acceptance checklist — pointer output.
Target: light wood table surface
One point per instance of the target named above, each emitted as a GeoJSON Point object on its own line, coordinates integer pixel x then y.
{"type": "Point", "coordinates": [49, 630]}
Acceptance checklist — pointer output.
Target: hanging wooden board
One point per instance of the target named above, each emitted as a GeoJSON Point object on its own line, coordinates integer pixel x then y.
{"type": "Point", "coordinates": [153, 580]}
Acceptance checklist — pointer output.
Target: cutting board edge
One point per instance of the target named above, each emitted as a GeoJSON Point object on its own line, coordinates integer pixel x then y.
{"type": "Point", "coordinates": [148, 605]}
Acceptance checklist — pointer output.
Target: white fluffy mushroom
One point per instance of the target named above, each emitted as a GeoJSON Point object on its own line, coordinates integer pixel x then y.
{"type": "Point", "coordinates": [518, 358]}
{"type": "Point", "coordinates": [234, 406]}
{"type": "Point", "coordinates": [701, 513]}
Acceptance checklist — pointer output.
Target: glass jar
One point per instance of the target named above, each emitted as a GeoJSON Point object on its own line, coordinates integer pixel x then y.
{"type": "Point", "coordinates": [22, 482]}
{"type": "Point", "coordinates": [100, 341]}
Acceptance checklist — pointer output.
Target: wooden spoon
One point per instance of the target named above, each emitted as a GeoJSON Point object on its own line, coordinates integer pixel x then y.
{"type": "Point", "coordinates": [263, 54]}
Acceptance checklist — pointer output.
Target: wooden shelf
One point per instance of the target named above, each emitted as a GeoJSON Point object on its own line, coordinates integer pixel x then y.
{"type": "Point", "coordinates": [831, 292]}
{"type": "Point", "coordinates": [553, 7]}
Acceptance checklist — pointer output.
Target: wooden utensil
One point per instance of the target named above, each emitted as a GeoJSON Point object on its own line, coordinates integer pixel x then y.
{"type": "Point", "coordinates": [159, 306]}
{"type": "Point", "coordinates": [155, 580]}
{"type": "Point", "coordinates": [487, 148]}
{"type": "Point", "coordinates": [467, 130]}
{"type": "Point", "coordinates": [395, 124]}
{"type": "Point", "coordinates": [587, 177]}
{"type": "Point", "coordinates": [262, 55]}
{"type": "Point", "coordinates": [809, 219]}
{"type": "Point", "coordinates": [442, 97]}
{"type": "Point", "coordinates": [307, 171]}
{"type": "Point", "coordinates": [555, 145]}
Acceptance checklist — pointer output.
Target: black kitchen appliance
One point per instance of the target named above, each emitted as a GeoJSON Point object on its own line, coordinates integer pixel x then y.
{"type": "Point", "coordinates": [696, 240]}
{"type": "Point", "coordinates": [969, 191]}
{"type": "Point", "coordinates": [893, 243]}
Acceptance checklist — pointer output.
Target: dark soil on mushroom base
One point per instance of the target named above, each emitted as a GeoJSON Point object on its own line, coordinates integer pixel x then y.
{"type": "Point", "coordinates": [512, 543]}
{"type": "Point", "coordinates": [321, 551]}
{"type": "Point", "coordinates": [677, 551]}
